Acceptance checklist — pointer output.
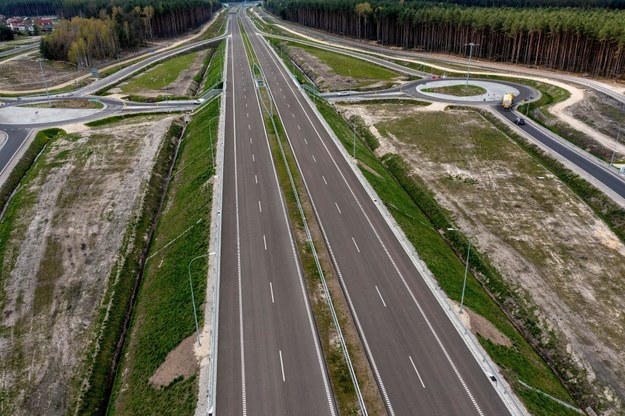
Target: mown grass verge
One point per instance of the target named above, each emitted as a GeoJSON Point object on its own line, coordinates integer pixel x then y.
{"type": "Point", "coordinates": [425, 223]}
{"type": "Point", "coordinates": [163, 315]}
{"type": "Point", "coordinates": [125, 277]}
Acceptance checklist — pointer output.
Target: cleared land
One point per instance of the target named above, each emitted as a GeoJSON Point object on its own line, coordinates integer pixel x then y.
{"type": "Point", "coordinates": [24, 73]}
{"type": "Point", "coordinates": [537, 233]}
{"type": "Point", "coordinates": [59, 240]}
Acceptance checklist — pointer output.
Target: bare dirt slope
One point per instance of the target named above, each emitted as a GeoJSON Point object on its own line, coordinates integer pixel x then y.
{"type": "Point", "coordinates": [65, 234]}
{"type": "Point", "coordinates": [541, 237]}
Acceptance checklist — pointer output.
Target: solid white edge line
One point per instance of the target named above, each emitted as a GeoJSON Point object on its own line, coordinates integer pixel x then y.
{"type": "Point", "coordinates": [236, 193]}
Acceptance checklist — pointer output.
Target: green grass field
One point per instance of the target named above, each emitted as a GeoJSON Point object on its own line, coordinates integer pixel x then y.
{"type": "Point", "coordinates": [163, 315]}
{"type": "Point", "coordinates": [160, 76]}
{"type": "Point", "coordinates": [214, 73]}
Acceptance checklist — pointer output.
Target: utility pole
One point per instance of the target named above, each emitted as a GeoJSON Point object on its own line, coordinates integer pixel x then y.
{"type": "Point", "coordinates": [43, 75]}
{"type": "Point", "coordinates": [350, 81]}
{"type": "Point", "coordinates": [471, 45]}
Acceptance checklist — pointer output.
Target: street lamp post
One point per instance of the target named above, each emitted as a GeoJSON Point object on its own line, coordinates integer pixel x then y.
{"type": "Point", "coordinates": [464, 283]}
{"type": "Point", "coordinates": [197, 328]}
{"type": "Point", "coordinates": [466, 272]}
{"type": "Point", "coordinates": [471, 45]}
{"type": "Point", "coordinates": [45, 83]}
{"type": "Point", "coordinates": [210, 138]}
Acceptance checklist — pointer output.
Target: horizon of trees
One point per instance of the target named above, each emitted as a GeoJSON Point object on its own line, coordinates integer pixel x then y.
{"type": "Point", "coordinates": [588, 41]}
{"type": "Point", "coordinates": [100, 29]}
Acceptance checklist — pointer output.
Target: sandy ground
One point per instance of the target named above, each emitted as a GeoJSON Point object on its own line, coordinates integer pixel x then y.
{"type": "Point", "coordinates": [537, 233]}
{"type": "Point", "coordinates": [179, 362]}
{"type": "Point", "coordinates": [59, 259]}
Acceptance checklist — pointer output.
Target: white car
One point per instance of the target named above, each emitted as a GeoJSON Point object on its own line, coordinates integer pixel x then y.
{"type": "Point", "coordinates": [199, 101]}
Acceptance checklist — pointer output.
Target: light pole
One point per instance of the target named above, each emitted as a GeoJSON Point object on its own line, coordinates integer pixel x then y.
{"type": "Point", "coordinates": [44, 81]}
{"type": "Point", "coordinates": [471, 45]}
{"type": "Point", "coordinates": [466, 272]}
{"type": "Point", "coordinates": [210, 138]}
{"type": "Point", "coordinates": [618, 136]}
{"type": "Point", "coordinates": [354, 137]}
{"type": "Point", "coordinates": [197, 328]}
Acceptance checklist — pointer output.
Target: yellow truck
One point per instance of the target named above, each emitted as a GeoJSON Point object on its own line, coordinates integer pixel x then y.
{"type": "Point", "coordinates": [508, 101]}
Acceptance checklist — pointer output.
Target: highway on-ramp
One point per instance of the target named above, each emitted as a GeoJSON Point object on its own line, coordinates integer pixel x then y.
{"type": "Point", "coordinates": [421, 363]}
{"type": "Point", "coordinates": [269, 360]}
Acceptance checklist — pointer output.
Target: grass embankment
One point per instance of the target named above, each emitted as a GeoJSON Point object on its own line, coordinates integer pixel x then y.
{"type": "Point", "coordinates": [217, 27]}
{"type": "Point", "coordinates": [214, 73]}
{"type": "Point", "coordinates": [115, 119]}
{"type": "Point", "coordinates": [161, 75]}
{"type": "Point", "coordinates": [163, 316]}
{"type": "Point", "coordinates": [123, 283]}
{"type": "Point", "coordinates": [22, 167]}
{"type": "Point", "coordinates": [457, 90]}
{"type": "Point", "coordinates": [422, 220]}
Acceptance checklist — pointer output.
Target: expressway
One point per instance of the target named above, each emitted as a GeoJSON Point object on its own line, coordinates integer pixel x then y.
{"type": "Point", "coordinates": [420, 362]}
{"type": "Point", "coordinates": [269, 360]}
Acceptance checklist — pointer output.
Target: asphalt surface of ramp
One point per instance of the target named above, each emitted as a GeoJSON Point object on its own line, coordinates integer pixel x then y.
{"type": "Point", "coordinates": [269, 357]}
{"type": "Point", "coordinates": [421, 363]}
{"type": "Point", "coordinates": [584, 162]}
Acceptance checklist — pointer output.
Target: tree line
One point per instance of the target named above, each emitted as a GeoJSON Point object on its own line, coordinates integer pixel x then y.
{"type": "Point", "coordinates": [101, 29]}
{"type": "Point", "coordinates": [588, 41]}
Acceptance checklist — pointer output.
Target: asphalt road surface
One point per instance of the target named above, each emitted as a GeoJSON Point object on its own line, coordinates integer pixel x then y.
{"type": "Point", "coordinates": [584, 162]}
{"type": "Point", "coordinates": [420, 362]}
{"type": "Point", "coordinates": [18, 50]}
{"type": "Point", "coordinates": [269, 359]}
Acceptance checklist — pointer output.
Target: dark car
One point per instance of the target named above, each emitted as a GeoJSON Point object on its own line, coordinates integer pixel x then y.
{"type": "Point", "coordinates": [519, 121]}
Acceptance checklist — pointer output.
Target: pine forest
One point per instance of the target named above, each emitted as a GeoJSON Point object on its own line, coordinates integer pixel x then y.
{"type": "Point", "coordinates": [584, 40]}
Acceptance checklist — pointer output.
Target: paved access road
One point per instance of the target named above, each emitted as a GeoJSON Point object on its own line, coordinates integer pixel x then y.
{"type": "Point", "coordinates": [19, 49]}
{"type": "Point", "coordinates": [269, 359]}
{"type": "Point", "coordinates": [580, 159]}
{"type": "Point", "coordinates": [420, 362]}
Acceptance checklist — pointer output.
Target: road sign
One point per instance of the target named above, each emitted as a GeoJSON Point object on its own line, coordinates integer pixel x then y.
{"type": "Point", "coordinates": [95, 73]}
